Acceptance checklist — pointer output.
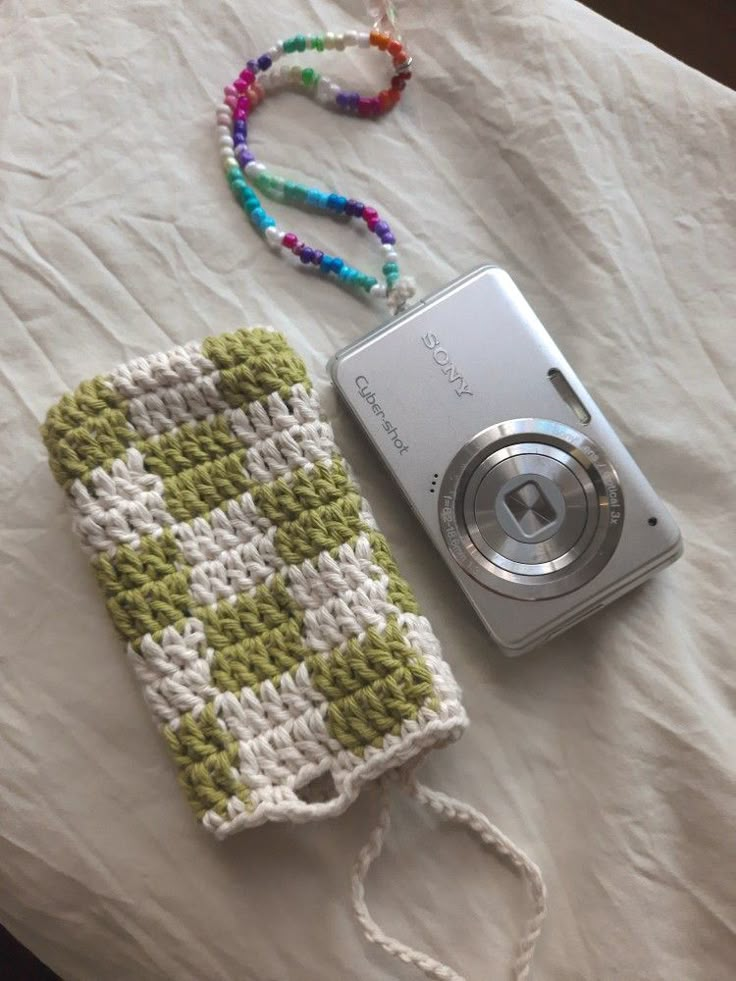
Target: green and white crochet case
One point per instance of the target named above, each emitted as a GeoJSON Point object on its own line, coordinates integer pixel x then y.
{"type": "Point", "coordinates": [273, 636]}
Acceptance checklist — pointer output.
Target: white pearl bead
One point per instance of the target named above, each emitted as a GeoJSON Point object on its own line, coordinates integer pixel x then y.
{"type": "Point", "coordinates": [224, 120]}
{"type": "Point", "coordinates": [223, 129]}
{"type": "Point", "coordinates": [339, 42]}
{"type": "Point", "coordinates": [295, 73]}
{"type": "Point", "coordinates": [274, 236]}
{"type": "Point", "coordinates": [351, 38]}
{"type": "Point", "coordinates": [364, 40]}
{"type": "Point", "coordinates": [254, 168]}
{"type": "Point", "coordinates": [228, 162]}
{"type": "Point", "coordinates": [378, 290]}
{"type": "Point", "coordinates": [224, 107]}
{"type": "Point", "coordinates": [329, 40]}
{"type": "Point", "coordinates": [275, 52]}
{"type": "Point", "coordinates": [226, 142]}
{"type": "Point", "coordinates": [334, 89]}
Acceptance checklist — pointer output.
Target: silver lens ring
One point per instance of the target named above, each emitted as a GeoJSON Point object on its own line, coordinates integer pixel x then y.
{"type": "Point", "coordinates": [531, 508]}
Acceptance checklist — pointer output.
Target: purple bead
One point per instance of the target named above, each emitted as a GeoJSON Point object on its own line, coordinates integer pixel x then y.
{"type": "Point", "coordinates": [382, 227]}
{"type": "Point", "coordinates": [350, 206]}
{"type": "Point", "coordinates": [240, 126]}
{"type": "Point", "coordinates": [358, 209]}
{"type": "Point", "coordinates": [252, 65]}
{"type": "Point", "coordinates": [354, 98]}
{"type": "Point", "coordinates": [264, 62]}
{"type": "Point", "coordinates": [388, 238]}
{"type": "Point", "coordinates": [343, 100]}
{"type": "Point", "coordinates": [307, 255]}
{"type": "Point", "coordinates": [317, 257]}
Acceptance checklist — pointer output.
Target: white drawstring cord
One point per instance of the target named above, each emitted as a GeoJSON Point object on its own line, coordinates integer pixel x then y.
{"type": "Point", "coordinates": [461, 813]}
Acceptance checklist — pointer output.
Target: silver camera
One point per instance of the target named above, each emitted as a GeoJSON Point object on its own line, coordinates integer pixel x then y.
{"type": "Point", "coordinates": [537, 507]}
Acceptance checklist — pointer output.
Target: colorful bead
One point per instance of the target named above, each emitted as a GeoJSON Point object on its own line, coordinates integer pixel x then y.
{"type": "Point", "coordinates": [242, 97]}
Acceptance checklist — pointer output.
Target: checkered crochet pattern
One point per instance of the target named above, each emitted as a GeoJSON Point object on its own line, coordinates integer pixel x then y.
{"type": "Point", "coordinates": [275, 640]}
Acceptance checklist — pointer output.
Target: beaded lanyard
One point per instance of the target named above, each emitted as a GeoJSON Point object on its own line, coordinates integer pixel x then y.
{"type": "Point", "coordinates": [248, 91]}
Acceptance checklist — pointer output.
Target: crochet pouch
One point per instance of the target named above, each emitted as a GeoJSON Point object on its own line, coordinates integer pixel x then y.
{"type": "Point", "coordinates": [281, 653]}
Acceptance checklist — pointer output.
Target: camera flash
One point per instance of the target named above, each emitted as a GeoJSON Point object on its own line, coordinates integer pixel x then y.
{"type": "Point", "coordinates": [568, 396]}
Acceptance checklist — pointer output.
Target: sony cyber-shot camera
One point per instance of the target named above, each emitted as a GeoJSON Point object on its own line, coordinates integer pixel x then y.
{"type": "Point", "coordinates": [523, 486]}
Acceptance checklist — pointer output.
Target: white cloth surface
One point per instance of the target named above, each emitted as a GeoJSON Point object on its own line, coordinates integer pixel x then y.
{"type": "Point", "coordinates": [600, 173]}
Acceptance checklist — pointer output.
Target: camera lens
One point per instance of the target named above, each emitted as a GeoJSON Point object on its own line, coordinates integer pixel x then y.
{"type": "Point", "coordinates": [525, 508]}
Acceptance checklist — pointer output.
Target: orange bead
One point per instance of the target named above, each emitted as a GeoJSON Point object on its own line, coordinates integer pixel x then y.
{"type": "Point", "coordinates": [395, 49]}
{"type": "Point", "coordinates": [375, 37]}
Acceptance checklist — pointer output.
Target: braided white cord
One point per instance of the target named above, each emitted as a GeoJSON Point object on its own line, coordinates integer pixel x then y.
{"type": "Point", "coordinates": [453, 810]}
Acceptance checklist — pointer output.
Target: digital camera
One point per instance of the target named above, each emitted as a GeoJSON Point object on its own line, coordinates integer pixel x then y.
{"type": "Point", "coordinates": [521, 483]}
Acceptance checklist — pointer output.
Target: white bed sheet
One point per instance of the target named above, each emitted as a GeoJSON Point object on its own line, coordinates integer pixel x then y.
{"type": "Point", "coordinates": [600, 172]}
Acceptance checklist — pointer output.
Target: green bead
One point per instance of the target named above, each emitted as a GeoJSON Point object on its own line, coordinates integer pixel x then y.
{"type": "Point", "coordinates": [301, 42]}
{"type": "Point", "coordinates": [318, 43]}
{"type": "Point", "coordinates": [390, 267]}
{"type": "Point", "coordinates": [233, 174]}
{"type": "Point", "coordinates": [289, 189]}
{"type": "Point", "coordinates": [300, 192]}
{"type": "Point", "coordinates": [309, 76]}
{"type": "Point", "coordinates": [251, 204]}
{"type": "Point", "coordinates": [289, 45]}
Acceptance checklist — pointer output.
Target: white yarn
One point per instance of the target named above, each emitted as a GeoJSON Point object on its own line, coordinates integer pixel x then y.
{"type": "Point", "coordinates": [400, 294]}
{"type": "Point", "coordinates": [461, 813]}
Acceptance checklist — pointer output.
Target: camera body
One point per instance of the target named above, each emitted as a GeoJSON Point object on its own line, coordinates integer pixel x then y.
{"type": "Point", "coordinates": [540, 512]}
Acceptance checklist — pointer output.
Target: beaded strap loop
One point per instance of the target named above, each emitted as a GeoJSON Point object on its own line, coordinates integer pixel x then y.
{"type": "Point", "coordinates": [242, 169]}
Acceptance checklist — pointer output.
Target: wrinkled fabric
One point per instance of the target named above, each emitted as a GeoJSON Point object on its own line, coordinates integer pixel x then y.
{"type": "Point", "coordinates": [600, 173]}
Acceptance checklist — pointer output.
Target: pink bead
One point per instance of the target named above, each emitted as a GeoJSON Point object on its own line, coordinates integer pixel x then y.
{"type": "Point", "coordinates": [240, 114]}
{"type": "Point", "coordinates": [229, 90]}
{"type": "Point", "coordinates": [248, 76]}
{"type": "Point", "coordinates": [243, 104]}
{"type": "Point", "coordinates": [369, 214]}
{"type": "Point", "coordinates": [231, 101]}
{"type": "Point", "coordinates": [372, 222]}
{"type": "Point", "coordinates": [240, 85]}
{"type": "Point", "coordinates": [289, 240]}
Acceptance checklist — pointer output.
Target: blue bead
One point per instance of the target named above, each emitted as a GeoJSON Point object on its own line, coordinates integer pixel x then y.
{"type": "Point", "coordinates": [344, 273]}
{"type": "Point", "coordinates": [340, 203]}
{"type": "Point", "coordinates": [332, 201]}
{"type": "Point", "coordinates": [337, 264]}
{"type": "Point", "coordinates": [257, 213]}
{"type": "Point", "coordinates": [268, 222]}
{"type": "Point", "coordinates": [323, 199]}
{"type": "Point", "coordinates": [325, 264]}
{"type": "Point", "coordinates": [264, 62]}
{"type": "Point", "coordinates": [314, 197]}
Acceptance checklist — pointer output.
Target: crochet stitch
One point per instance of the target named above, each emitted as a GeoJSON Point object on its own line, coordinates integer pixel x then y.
{"type": "Point", "coordinates": [275, 640]}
